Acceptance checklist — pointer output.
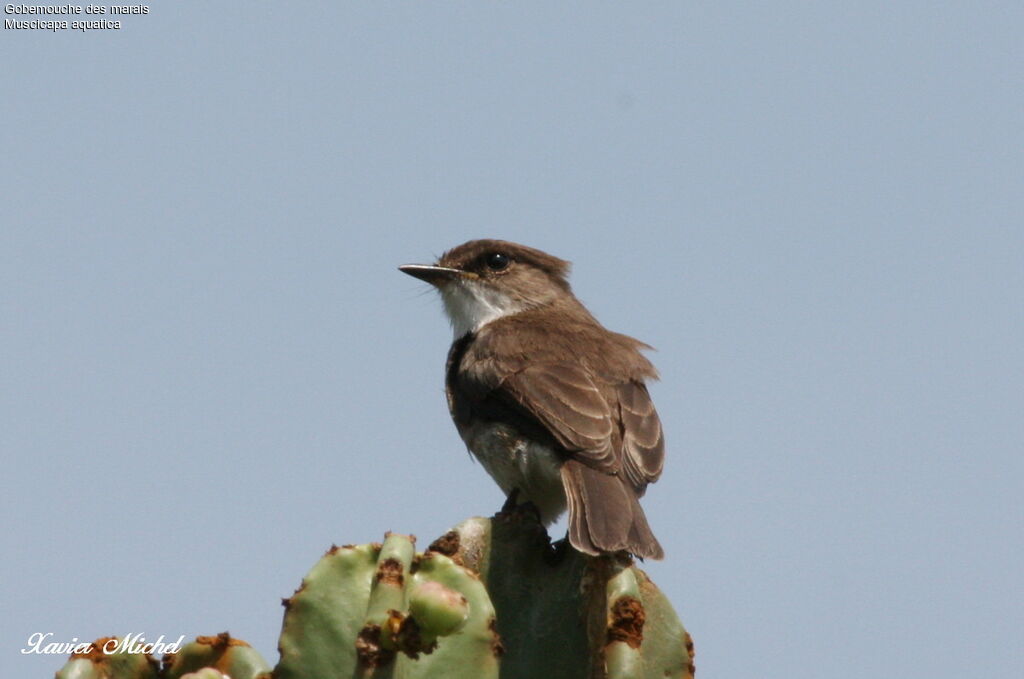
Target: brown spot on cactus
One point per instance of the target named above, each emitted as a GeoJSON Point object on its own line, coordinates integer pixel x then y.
{"type": "Point", "coordinates": [447, 544]}
{"type": "Point", "coordinates": [627, 622]}
{"type": "Point", "coordinates": [95, 651]}
{"type": "Point", "coordinates": [220, 642]}
{"type": "Point", "coordinates": [497, 648]}
{"type": "Point", "coordinates": [411, 641]}
{"type": "Point", "coordinates": [390, 571]}
{"type": "Point", "coordinates": [369, 649]}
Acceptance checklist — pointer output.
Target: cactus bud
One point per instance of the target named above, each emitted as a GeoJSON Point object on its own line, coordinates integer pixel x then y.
{"type": "Point", "coordinates": [440, 611]}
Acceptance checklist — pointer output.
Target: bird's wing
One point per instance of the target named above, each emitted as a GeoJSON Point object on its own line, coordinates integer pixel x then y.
{"type": "Point", "coordinates": [571, 407]}
{"type": "Point", "coordinates": [643, 443]}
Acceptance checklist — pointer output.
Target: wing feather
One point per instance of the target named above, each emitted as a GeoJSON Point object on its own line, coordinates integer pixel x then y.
{"type": "Point", "coordinates": [571, 407]}
{"type": "Point", "coordinates": [643, 442]}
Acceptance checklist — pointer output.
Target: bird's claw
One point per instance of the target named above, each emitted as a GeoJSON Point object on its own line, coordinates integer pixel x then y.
{"type": "Point", "coordinates": [510, 502]}
{"type": "Point", "coordinates": [512, 507]}
{"type": "Point", "coordinates": [557, 551]}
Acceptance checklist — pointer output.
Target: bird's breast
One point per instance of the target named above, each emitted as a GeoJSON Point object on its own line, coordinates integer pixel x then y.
{"type": "Point", "coordinates": [515, 461]}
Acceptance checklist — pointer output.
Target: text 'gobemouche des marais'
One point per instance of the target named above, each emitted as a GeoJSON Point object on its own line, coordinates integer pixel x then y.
{"type": "Point", "coordinates": [68, 17]}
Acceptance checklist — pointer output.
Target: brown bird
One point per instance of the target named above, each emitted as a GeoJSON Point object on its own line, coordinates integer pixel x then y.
{"type": "Point", "coordinates": [550, 402]}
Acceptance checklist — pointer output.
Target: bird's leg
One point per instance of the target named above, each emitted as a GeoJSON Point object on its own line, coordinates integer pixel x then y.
{"type": "Point", "coordinates": [530, 509]}
{"type": "Point", "coordinates": [512, 508]}
{"type": "Point", "coordinates": [557, 551]}
{"type": "Point", "coordinates": [510, 502]}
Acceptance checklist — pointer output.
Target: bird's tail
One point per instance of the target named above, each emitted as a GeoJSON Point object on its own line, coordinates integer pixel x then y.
{"type": "Point", "coordinates": [605, 514]}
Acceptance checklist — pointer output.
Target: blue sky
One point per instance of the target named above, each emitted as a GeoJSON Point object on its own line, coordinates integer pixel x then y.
{"type": "Point", "coordinates": [211, 369]}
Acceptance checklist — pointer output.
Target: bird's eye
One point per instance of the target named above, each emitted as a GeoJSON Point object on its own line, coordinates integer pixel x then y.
{"type": "Point", "coordinates": [497, 261]}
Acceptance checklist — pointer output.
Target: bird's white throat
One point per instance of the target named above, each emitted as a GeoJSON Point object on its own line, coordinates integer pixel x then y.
{"type": "Point", "coordinates": [470, 305]}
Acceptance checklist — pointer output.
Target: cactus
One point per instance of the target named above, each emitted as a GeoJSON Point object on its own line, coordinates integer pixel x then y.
{"type": "Point", "coordinates": [206, 673]}
{"type": "Point", "coordinates": [490, 598]}
{"type": "Point", "coordinates": [556, 614]}
{"type": "Point", "coordinates": [205, 658]}
{"type": "Point", "coordinates": [231, 657]}
{"type": "Point", "coordinates": [381, 610]}
{"type": "Point", "coordinates": [96, 664]}
{"type": "Point", "coordinates": [562, 614]}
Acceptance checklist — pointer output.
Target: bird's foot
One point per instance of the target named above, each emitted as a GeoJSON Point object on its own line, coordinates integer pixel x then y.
{"type": "Point", "coordinates": [512, 509]}
{"type": "Point", "coordinates": [557, 551]}
{"type": "Point", "coordinates": [510, 502]}
{"type": "Point", "coordinates": [531, 510]}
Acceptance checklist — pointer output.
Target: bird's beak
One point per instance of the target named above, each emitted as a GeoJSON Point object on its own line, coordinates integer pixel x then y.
{"type": "Point", "coordinates": [435, 275]}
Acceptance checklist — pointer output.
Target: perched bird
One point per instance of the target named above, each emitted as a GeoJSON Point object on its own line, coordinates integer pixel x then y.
{"type": "Point", "coordinates": [551, 403]}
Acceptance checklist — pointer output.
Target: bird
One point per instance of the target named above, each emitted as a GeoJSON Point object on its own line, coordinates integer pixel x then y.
{"type": "Point", "coordinates": [553, 405]}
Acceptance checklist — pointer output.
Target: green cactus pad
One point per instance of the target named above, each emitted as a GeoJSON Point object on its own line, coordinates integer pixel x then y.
{"type": "Point", "coordinates": [564, 615]}
{"type": "Point", "coordinates": [229, 656]}
{"type": "Point", "coordinates": [99, 665]}
{"type": "Point", "coordinates": [350, 617]}
{"type": "Point", "coordinates": [439, 610]}
{"type": "Point", "coordinates": [206, 673]}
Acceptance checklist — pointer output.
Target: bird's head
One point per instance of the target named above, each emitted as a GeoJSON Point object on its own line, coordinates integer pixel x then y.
{"type": "Point", "coordinates": [484, 280]}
